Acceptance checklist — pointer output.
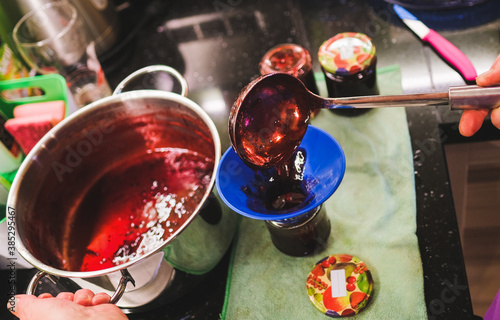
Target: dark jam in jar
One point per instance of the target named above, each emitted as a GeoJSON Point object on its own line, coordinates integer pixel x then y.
{"type": "Point", "coordinates": [348, 62]}
{"type": "Point", "coordinates": [292, 59]}
{"type": "Point", "coordinates": [303, 235]}
{"type": "Point", "coordinates": [287, 188]}
{"type": "Point", "coordinates": [284, 189]}
{"type": "Point", "coordinates": [280, 189]}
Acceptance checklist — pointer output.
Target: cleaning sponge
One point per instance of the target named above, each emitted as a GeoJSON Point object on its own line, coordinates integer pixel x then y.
{"type": "Point", "coordinates": [54, 108]}
{"type": "Point", "coordinates": [32, 121]}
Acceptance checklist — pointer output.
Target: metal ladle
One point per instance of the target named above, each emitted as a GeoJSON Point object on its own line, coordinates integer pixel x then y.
{"type": "Point", "coordinates": [271, 114]}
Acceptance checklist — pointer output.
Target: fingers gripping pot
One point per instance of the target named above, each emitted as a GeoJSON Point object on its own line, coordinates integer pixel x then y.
{"type": "Point", "coordinates": [122, 190]}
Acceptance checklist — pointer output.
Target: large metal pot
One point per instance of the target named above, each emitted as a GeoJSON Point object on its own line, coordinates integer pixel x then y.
{"type": "Point", "coordinates": [67, 162]}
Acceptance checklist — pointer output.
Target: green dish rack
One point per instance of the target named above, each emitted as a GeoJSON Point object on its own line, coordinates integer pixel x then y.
{"type": "Point", "coordinates": [52, 88]}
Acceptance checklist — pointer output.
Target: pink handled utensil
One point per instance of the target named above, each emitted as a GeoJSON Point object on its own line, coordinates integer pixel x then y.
{"type": "Point", "coordinates": [445, 48]}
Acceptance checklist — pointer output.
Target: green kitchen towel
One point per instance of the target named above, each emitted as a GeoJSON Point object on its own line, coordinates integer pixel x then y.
{"type": "Point", "coordinates": [373, 217]}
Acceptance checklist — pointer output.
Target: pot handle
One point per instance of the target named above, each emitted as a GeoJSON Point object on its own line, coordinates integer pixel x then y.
{"type": "Point", "coordinates": [122, 285]}
{"type": "Point", "coordinates": [152, 69]}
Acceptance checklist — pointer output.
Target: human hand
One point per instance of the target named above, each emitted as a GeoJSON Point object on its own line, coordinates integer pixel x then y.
{"type": "Point", "coordinates": [472, 120]}
{"type": "Point", "coordinates": [82, 305]}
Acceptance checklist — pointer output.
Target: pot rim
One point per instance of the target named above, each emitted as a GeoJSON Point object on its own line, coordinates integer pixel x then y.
{"type": "Point", "coordinates": [92, 107]}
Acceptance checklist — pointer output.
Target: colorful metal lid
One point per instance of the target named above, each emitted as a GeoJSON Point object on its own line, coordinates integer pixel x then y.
{"type": "Point", "coordinates": [340, 285]}
{"type": "Point", "coordinates": [287, 58]}
{"type": "Point", "coordinates": [346, 53]}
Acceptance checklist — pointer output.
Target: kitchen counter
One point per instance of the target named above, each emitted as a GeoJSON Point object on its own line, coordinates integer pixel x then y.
{"type": "Point", "coordinates": [217, 45]}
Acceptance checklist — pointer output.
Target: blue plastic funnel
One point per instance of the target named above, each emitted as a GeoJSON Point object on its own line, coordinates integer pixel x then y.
{"type": "Point", "coordinates": [323, 172]}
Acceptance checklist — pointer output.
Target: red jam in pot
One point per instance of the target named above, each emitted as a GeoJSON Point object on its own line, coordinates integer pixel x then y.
{"type": "Point", "coordinates": [136, 206]}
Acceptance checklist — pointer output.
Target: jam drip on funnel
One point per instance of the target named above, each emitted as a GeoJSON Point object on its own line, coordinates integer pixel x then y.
{"type": "Point", "coordinates": [281, 188]}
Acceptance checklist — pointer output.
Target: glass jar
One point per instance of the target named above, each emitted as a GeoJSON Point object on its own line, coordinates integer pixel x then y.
{"type": "Point", "coordinates": [349, 62]}
{"type": "Point", "coordinates": [292, 59]}
{"type": "Point", "coordinates": [304, 235]}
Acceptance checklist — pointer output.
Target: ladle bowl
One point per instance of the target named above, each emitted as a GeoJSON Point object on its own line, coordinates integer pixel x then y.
{"type": "Point", "coordinates": [269, 119]}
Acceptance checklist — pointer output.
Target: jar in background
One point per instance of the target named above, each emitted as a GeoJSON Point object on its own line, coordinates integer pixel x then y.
{"type": "Point", "coordinates": [348, 62]}
{"type": "Point", "coordinates": [291, 59]}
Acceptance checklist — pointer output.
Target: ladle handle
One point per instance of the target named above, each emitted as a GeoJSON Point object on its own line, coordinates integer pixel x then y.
{"type": "Point", "coordinates": [148, 71]}
{"type": "Point", "coordinates": [403, 100]}
{"type": "Point", "coordinates": [474, 97]}
{"type": "Point", "coordinates": [122, 285]}
{"type": "Point", "coordinates": [458, 98]}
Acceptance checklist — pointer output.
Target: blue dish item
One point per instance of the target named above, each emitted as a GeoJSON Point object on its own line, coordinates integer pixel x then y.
{"type": "Point", "coordinates": [323, 171]}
